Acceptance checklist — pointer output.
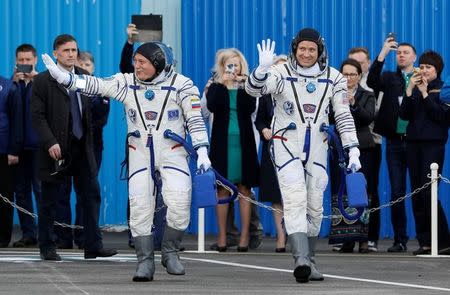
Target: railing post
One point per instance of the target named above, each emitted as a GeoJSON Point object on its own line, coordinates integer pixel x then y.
{"type": "Point", "coordinates": [201, 230]}
{"type": "Point", "coordinates": [434, 209]}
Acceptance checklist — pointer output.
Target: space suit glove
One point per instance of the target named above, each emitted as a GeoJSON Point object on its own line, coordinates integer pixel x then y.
{"type": "Point", "coordinates": [203, 159]}
{"type": "Point", "coordinates": [63, 78]}
{"type": "Point", "coordinates": [353, 162]}
{"type": "Point", "coordinates": [266, 52]}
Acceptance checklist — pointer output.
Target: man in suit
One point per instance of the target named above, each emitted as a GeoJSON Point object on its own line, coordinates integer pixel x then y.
{"type": "Point", "coordinates": [62, 120]}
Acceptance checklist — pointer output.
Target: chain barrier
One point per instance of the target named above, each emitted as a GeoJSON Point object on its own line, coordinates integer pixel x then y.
{"type": "Point", "coordinates": [104, 228]}
{"type": "Point", "coordinates": [121, 228]}
{"type": "Point", "coordinates": [446, 180]}
{"type": "Point", "coordinates": [416, 191]}
{"type": "Point", "coordinates": [398, 200]}
{"type": "Point", "coordinates": [248, 199]}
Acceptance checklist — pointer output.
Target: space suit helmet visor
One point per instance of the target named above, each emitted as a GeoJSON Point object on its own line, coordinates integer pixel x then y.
{"type": "Point", "coordinates": [159, 54]}
{"type": "Point", "coordinates": [307, 34]}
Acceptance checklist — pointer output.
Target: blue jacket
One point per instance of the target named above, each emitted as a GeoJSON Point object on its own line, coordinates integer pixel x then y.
{"type": "Point", "coordinates": [25, 136]}
{"type": "Point", "coordinates": [428, 118]}
{"type": "Point", "coordinates": [8, 106]}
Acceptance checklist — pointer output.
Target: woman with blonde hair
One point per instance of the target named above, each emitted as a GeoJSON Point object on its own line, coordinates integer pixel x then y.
{"type": "Point", "coordinates": [233, 150]}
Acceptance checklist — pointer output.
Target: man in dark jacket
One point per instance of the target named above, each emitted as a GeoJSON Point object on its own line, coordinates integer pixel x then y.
{"type": "Point", "coordinates": [99, 113]}
{"type": "Point", "coordinates": [389, 125]}
{"type": "Point", "coordinates": [62, 120]}
{"type": "Point", "coordinates": [25, 144]}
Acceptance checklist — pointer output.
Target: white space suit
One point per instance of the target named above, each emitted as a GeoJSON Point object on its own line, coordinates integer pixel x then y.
{"type": "Point", "coordinates": [304, 101]}
{"type": "Point", "coordinates": [302, 96]}
{"type": "Point", "coordinates": [171, 104]}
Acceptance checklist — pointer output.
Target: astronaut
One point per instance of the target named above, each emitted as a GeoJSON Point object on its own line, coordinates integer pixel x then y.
{"type": "Point", "coordinates": [302, 90]}
{"type": "Point", "coordinates": [156, 98]}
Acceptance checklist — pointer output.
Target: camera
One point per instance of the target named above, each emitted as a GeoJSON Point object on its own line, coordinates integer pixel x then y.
{"type": "Point", "coordinates": [230, 69]}
{"type": "Point", "coordinates": [24, 68]}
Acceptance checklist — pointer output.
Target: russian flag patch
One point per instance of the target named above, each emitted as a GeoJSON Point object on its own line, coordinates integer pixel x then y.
{"type": "Point", "coordinates": [195, 102]}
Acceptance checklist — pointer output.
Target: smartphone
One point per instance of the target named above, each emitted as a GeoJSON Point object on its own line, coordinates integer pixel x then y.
{"type": "Point", "coordinates": [148, 26]}
{"type": "Point", "coordinates": [24, 68]}
{"type": "Point", "coordinates": [418, 72]}
{"type": "Point", "coordinates": [392, 35]}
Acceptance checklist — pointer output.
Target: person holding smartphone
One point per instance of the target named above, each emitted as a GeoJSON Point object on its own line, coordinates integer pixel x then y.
{"type": "Point", "coordinates": [389, 125]}
{"type": "Point", "coordinates": [426, 135]}
{"type": "Point", "coordinates": [25, 145]}
{"type": "Point", "coordinates": [233, 148]}
{"type": "Point", "coordinates": [26, 61]}
{"type": "Point", "coordinates": [256, 228]}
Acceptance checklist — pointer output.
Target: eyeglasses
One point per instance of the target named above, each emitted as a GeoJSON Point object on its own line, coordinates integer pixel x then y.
{"type": "Point", "coordinates": [350, 75]}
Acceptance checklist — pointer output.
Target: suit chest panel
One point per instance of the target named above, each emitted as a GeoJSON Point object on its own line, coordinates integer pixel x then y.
{"type": "Point", "coordinates": [152, 107]}
{"type": "Point", "coordinates": [309, 93]}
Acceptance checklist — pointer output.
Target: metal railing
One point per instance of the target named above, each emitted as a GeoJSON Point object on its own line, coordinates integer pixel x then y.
{"type": "Point", "coordinates": [434, 177]}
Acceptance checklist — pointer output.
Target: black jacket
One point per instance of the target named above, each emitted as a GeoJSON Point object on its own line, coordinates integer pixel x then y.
{"type": "Point", "coordinates": [100, 112]}
{"type": "Point", "coordinates": [218, 102]}
{"type": "Point", "coordinates": [126, 58]}
{"type": "Point", "coordinates": [392, 84]}
{"type": "Point", "coordinates": [265, 114]}
{"type": "Point", "coordinates": [50, 111]}
{"type": "Point", "coordinates": [269, 189]}
{"type": "Point", "coordinates": [363, 112]}
{"type": "Point", "coordinates": [427, 118]}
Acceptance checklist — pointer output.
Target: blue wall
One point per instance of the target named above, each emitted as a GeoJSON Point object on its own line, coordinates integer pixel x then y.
{"type": "Point", "coordinates": [208, 25]}
{"type": "Point", "coordinates": [213, 24]}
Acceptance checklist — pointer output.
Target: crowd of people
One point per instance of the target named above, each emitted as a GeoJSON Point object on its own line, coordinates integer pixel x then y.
{"type": "Point", "coordinates": [51, 141]}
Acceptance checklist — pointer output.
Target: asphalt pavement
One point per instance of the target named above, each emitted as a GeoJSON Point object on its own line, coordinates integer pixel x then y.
{"type": "Point", "coordinates": [260, 271]}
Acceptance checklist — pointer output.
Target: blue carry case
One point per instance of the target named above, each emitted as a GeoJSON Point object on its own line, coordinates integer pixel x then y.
{"type": "Point", "coordinates": [204, 189]}
{"type": "Point", "coordinates": [356, 190]}
{"type": "Point", "coordinates": [204, 182]}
